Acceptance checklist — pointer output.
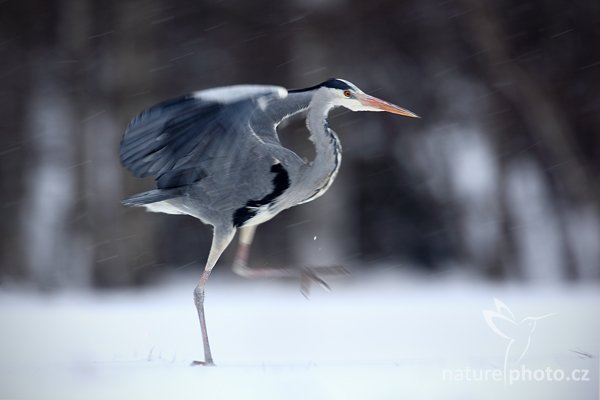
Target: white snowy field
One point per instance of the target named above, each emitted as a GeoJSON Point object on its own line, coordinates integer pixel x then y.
{"type": "Point", "coordinates": [379, 337]}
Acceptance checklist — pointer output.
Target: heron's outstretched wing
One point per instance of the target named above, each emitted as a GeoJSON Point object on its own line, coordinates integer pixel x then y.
{"type": "Point", "coordinates": [183, 140]}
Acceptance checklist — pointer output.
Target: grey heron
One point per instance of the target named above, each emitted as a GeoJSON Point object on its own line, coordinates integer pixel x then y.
{"type": "Point", "coordinates": [215, 155]}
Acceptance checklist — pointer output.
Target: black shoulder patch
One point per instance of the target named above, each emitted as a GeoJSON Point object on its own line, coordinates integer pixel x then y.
{"type": "Point", "coordinates": [281, 182]}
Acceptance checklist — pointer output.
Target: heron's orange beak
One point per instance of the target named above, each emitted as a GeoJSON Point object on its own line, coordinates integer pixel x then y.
{"type": "Point", "coordinates": [382, 105]}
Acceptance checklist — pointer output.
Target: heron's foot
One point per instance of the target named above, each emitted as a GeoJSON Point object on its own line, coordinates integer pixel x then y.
{"type": "Point", "coordinates": [309, 275]}
{"type": "Point", "coordinates": [203, 363]}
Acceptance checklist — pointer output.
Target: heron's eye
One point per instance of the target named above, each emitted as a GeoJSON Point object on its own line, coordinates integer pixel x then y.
{"type": "Point", "coordinates": [347, 93]}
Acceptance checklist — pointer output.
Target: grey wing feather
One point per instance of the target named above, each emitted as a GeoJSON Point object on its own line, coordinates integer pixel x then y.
{"type": "Point", "coordinates": [181, 141]}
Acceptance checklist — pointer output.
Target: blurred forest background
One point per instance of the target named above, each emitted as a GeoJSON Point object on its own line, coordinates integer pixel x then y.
{"type": "Point", "coordinates": [498, 179]}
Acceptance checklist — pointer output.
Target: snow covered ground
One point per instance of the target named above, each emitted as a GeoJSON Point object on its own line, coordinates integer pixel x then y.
{"type": "Point", "coordinates": [383, 336]}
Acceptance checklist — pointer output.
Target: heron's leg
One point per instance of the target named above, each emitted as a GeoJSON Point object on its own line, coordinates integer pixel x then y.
{"type": "Point", "coordinates": [307, 275]}
{"type": "Point", "coordinates": [240, 262]}
{"type": "Point", "coordinates": [221, 239]}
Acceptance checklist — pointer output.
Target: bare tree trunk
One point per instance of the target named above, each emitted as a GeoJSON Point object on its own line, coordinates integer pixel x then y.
{"type": "Point", "coordinates": [54, 254]}
{"type": "Point", "coordinates": [543, 119]}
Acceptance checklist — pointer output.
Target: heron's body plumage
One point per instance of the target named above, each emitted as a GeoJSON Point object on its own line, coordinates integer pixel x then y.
{"type": "Point", "coordinates": [221, 161]}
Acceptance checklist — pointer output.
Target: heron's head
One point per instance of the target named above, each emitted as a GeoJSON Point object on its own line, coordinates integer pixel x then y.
{"type": "Point", "coordinates": [345, 94]}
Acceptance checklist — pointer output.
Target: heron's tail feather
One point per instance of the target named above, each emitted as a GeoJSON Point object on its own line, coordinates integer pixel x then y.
{"type": "Point", "coordinates": [152, 196]}
{"type": "Point", "coordinates": [157, 200]}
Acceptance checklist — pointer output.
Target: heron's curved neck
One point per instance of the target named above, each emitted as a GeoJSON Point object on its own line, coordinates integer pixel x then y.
{"type": "Point", "coordinates": [324, 168]}
{"type": "Point", "coordinates": [318, 175]}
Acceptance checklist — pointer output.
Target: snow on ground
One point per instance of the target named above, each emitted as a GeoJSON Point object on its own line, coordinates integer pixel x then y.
{"type": "Point", "coordinates": [378, 337]}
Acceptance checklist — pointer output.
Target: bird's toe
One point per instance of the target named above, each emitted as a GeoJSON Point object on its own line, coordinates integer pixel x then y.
{"type": "Point", "coordinates": [309, 275]}
{"type": "Point", "coordinates": [202, 363]}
